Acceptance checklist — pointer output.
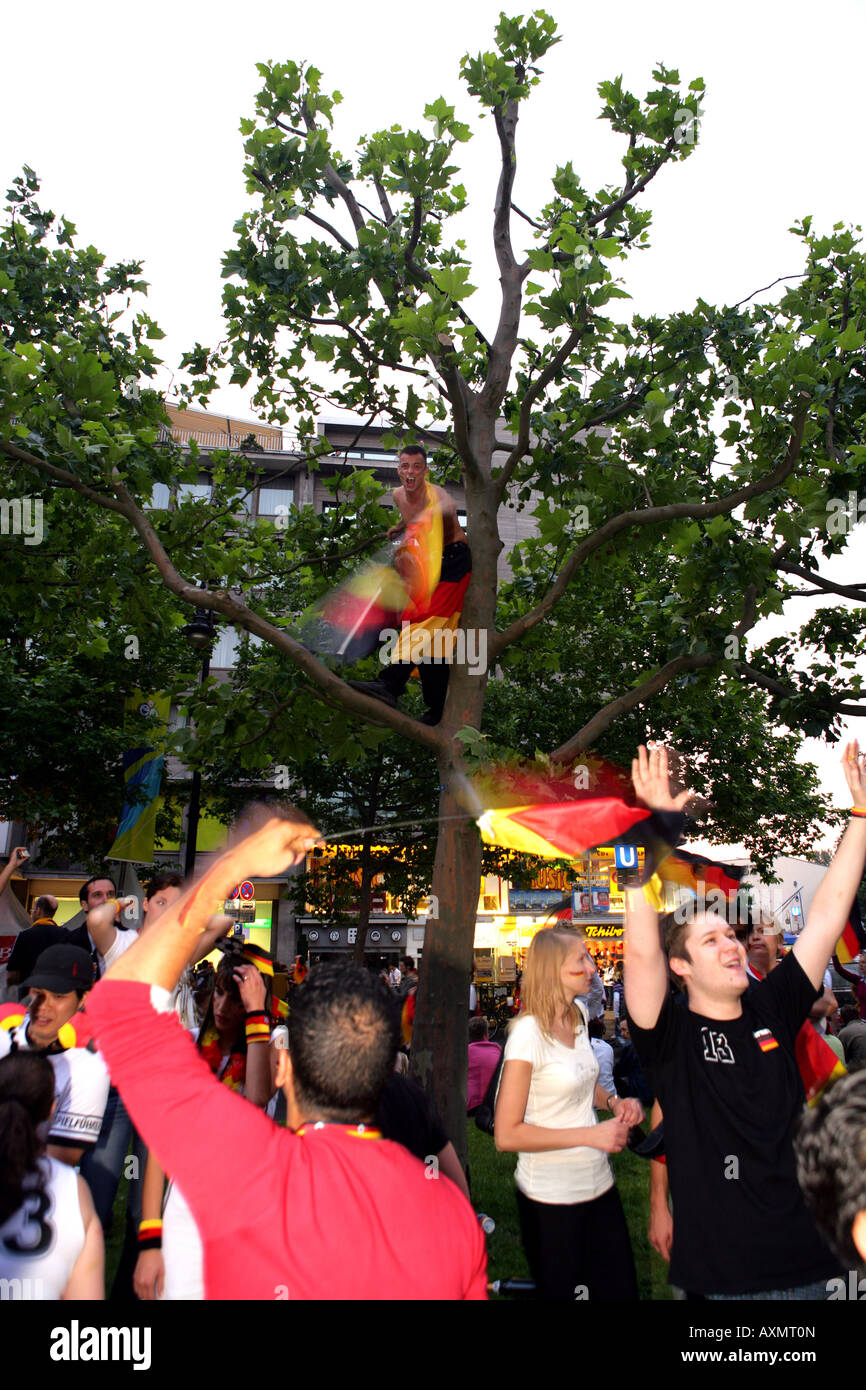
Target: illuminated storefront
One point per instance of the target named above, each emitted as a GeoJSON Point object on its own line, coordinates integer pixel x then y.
{"type": "Point", "coordinates": [587, 895]}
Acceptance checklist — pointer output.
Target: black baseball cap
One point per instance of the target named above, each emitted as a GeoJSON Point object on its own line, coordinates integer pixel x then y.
{"type": "Point", "coordinates": [62, 969]}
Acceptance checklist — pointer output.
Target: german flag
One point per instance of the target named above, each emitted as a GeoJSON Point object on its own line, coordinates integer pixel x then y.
{"type": "Point", "coordinates": [397, 583]}
{"type": "Point", "coordinates": [853, 939]}
{"type": "Point", "coordinates": [279, 1007]}
{"type": "Point", "coordinates": [819, 1066]}
{"type": "Point", "coordinates": [691, 870]}
{"type": "Point", "coordinates": [559, 815]}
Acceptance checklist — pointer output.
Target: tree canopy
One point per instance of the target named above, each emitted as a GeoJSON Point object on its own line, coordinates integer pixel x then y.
{"type": "Point", "coordinates": [687, 474]}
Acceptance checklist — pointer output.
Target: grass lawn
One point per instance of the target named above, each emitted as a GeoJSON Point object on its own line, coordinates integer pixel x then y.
{"type": "Point", "coordinates": [493, 1189]}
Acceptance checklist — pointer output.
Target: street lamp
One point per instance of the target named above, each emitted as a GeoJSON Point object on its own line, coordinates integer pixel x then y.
{"type": "Point", "coordinates": [200, 633]}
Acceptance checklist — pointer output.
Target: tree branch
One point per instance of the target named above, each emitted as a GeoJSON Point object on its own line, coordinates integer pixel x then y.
{"type": "Point", "coordinates": [855, 591]}
{"type": "Point", "coordinates": [532, 394]}
{"type": "Point", "coordinates": [626, 520]}
{"type": "Point", "coordinates": [340, 187]}
{"type": "Point", "coordinates": [693, 661]}
{"type": "Point", "coordinates": [383, 200]}
{"type": "Point", "coordinates": [62, 476]}
{"type": "Point", "coordinates": [320, 222]}
{"type": "Point", "coordinates": [602, 721]}
{"type": "Point", "coordinates": [756, 677]}
{"type": "Point", "coordinates": [630, 189]}
{"type": "Point", "coordinates": [510, 278]}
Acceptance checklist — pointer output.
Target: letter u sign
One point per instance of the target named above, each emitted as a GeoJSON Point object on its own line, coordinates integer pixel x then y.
{"type": "Point", "coordinates": [625, 856]}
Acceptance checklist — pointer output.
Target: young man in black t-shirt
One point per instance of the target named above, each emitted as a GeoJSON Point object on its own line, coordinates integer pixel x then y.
{"type": "Point", "coordinates": [726, 1075]}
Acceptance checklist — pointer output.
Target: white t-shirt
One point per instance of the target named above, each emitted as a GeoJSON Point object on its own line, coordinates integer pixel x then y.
{"type": "Point", "coordinates": [182, 1250]}
{"type": "Point", "coordinates": [560, 1097]}
{"type": "Point", "coordinates": [119, 946]}
{"type": "Point", "coordinates": [80, 1090]}
{"type": "Point", "coordinates": [41, 1241]}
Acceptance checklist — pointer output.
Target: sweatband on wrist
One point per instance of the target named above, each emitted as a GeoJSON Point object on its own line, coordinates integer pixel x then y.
{"type": "Point", "coordinates": [150, 1235]}
{"type": "Point", "coordinates": [257, 1027]}
{"type": "Point", "coordinates": [857, 811]}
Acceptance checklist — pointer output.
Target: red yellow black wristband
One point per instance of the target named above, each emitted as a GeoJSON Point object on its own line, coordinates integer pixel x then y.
{"type": "Point", "coordinates": [257, 1027]}
{"type": "Point", "coordinates": [150, 1235]}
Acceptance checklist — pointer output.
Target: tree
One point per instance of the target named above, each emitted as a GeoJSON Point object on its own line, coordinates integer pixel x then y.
{"type": "Point", "coordinates": [702, 454]}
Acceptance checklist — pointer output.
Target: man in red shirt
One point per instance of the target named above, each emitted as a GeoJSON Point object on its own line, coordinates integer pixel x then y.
{"type": "Point", "coordinates": [300, 1213]}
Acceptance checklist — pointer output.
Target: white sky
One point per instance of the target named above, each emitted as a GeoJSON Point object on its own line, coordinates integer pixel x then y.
{"type": "Point", "coordinates": [130, 115]}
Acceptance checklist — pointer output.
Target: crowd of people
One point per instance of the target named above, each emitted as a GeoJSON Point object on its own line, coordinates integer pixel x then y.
{"type": "Point", "coordinates": [120, 1060]}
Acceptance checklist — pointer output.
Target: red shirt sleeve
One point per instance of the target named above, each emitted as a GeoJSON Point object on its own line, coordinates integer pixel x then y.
{"type": "Point", "coordinates": [202, 1134]}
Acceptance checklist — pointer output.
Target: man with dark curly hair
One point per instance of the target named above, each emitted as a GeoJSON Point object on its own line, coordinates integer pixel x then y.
{"type": "Point", "coordinates": [831, 1168]}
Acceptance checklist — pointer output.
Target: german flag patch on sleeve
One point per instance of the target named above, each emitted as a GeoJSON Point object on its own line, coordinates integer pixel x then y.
{"type": "Point", "coordinates": [765, 1040]}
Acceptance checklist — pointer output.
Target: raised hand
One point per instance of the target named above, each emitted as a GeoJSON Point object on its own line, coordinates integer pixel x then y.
{"type": "Point", "coordinates": [280, 842]}
{"type": "Point", "coordinates": [854, 766]}
{"type": "Point", "coordinates": [650, 775]}
{"type": "Point", "coordinates": [104, 915]}
{"type": "Point", "coordinates": [251, 986]}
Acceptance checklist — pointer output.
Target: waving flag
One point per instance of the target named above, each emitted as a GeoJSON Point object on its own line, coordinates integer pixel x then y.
{"type": "Point", "coordinates": [399, 579]}
{"type": "Point", "coordinates": [853, 939]}
{"type": "Point", "coordinates": [560, 815]}
{"type": "Point", "coordinates": [691, 870]}
{"type": "Point", "coordinates": [817, 1062]}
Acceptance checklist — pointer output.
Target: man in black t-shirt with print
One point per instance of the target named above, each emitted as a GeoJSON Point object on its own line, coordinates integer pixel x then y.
{"type": "Point", "coordinates": [726, 1075]}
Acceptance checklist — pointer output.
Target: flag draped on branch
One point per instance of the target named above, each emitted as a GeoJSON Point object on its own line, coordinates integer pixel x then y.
{"type": "Point", "coordinates": [346, 623]}
{"type": "Point", "coordinates": [560, 815]}
{"type": "Point", "coordinates": [142, 771]}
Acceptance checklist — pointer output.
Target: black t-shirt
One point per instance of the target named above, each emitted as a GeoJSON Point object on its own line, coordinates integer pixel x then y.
{"type": "Point", "coordinates": [407, 1115]}
{"type": "Point", "coordinates": [731, 1093]}
{"type": "Point", "coordinates": [31, 942]}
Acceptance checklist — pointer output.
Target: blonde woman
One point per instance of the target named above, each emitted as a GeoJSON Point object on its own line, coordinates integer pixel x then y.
{"type": "Point", "coordinates": [571, 1218]}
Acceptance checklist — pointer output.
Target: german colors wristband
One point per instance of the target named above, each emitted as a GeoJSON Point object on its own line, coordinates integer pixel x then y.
{"type": "Point", "coordinates": [150, 1235]}
{"type": "Point", "coordinates": [858, 811]}
{"type": "Point", "coordinates": [257, 1027]}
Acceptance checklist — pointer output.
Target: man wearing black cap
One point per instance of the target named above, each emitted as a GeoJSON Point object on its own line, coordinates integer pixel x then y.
{"type": "Point", "coordinates": [62, 976]}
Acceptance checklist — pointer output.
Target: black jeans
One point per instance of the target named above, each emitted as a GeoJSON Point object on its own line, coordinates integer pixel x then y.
{"type": "Point", "coordinates": [579, 1251]}
{"type": "Point", "coordinates": [434, 682]}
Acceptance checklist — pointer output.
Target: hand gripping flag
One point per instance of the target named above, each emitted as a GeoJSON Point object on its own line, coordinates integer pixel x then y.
{"type": "Point", "coordinates": [399, 579]}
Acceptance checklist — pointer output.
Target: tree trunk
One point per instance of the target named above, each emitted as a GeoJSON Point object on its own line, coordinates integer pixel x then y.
{"type": "Point", "coordinates": [442, 1017]}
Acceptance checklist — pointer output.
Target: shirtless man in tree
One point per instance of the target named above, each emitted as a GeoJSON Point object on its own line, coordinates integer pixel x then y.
{"type": "Point", "coordinates": [440, 614]}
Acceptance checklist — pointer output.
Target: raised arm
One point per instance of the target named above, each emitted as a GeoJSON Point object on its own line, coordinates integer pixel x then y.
{"type": "Point", "coordinates": [17, 859]}
{"type": "Point", "coordinates": [646, 971]}
{"type": "Point", "coordinates": [835, 894]}
{"type": "Point", "coordinates": [160, 954]}
{"type": "Point", "coordinates": [101, 922]}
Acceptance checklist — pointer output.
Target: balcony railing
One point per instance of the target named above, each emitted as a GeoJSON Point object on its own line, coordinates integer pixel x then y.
{"type": "Point", "coordinates": [209, 439]}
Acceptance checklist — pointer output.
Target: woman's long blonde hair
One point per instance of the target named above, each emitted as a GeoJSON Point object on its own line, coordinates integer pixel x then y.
{"type": "Point", "coordinates": [541, 986]}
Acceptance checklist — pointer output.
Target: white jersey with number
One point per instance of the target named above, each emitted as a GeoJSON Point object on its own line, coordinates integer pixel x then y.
{"type": "Point", "coordinates": [40, 1243]}
{"type": "Point", "coordinates": [80, 1090]}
